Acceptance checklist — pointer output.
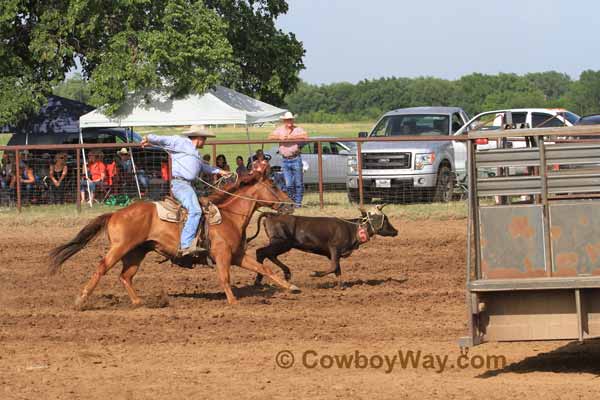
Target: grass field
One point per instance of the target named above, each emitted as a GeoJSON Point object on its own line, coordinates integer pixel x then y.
{"type": "Point", "coordinates": [66, 215]}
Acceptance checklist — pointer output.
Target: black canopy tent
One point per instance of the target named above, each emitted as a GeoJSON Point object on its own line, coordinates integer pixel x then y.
{"type": "Point", "coordinates": [59, 116]}
{"type": "Point", "coordinates": [57, 122]}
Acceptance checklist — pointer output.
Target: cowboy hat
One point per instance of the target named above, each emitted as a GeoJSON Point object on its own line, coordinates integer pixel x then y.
{"type": "Point", "coordinates": [287, 115]}
{"type": "Point", "coordinates": [123, 151]}
{"type": "Point", "coordinates": [198, 130]}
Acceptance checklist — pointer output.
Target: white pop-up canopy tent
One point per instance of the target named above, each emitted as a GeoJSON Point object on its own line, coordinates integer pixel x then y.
{"type": "Point", "coordinates": [219, 106]}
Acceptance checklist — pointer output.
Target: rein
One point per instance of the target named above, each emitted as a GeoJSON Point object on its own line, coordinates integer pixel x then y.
{"type": "Point", "coordinates": [245, 197]}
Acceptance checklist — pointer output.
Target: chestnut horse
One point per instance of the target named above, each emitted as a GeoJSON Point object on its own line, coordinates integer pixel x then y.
{"type": "Point", "coordinates": [135, 230]}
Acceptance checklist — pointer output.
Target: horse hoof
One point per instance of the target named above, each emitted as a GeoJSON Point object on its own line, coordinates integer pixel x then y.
{"type": "Point", "coordinates": [233, 302]}
{"type": "Point", "coordinates": [294, 289]}
{"type": "Point", "coordinates": [79, 303]}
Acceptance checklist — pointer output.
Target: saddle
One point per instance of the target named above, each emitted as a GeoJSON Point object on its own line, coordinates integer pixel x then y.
{"type": "Point", "coordinates": [171, 210]}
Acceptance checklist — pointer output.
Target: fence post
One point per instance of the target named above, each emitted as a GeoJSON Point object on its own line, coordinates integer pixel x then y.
{"type": "Point", "coordinates": [360, 174]}
{"type": "Point", "coordinates": [18, 180]}
{"type": "Point", "coordinates": [214, 155]}
{"type": "Point", "coordinates": [170, 173]}
{"type": "Point", "coordinates": [320, 156]}
{"type": "Point", "coordinates": [78, 181]}
{"type": "Point", "coordinates": [543, 173]}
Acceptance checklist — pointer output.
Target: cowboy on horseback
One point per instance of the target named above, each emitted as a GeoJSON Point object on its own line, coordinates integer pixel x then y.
{"type": "Point", "coordinates": [186, 167]}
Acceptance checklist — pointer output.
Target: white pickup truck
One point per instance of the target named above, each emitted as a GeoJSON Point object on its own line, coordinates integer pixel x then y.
{"type": "Point", "coordinates": [392, 169]}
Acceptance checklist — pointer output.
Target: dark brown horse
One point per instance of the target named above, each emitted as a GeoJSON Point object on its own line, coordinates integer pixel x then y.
{"type": "Point", "coordinates": [135, 230]}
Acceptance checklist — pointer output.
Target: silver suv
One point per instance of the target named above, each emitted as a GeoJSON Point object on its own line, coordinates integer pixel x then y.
{"type": "Point", "coordinates": [391, 170]}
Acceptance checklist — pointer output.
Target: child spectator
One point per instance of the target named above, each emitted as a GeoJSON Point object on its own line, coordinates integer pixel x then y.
{"type": "Point", "coordinates": [27, 181]}
{"type": "Point", "coordinates": [96, 172]}
{"type": "Point", "coordinates": [260, 163]}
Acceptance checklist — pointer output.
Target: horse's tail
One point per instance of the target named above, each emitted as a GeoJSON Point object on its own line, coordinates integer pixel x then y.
{"type": "Point", "coordinates": [62, 253]}
{"type": "Point", "coordinates": [258, 226]}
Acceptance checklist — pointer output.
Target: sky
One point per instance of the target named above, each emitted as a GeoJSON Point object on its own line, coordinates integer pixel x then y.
{"type": "Point", "coordinates": [352, 40]}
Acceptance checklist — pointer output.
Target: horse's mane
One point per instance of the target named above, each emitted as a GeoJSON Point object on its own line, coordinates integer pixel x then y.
{"type": "Point", "coordinates": [220, 196]}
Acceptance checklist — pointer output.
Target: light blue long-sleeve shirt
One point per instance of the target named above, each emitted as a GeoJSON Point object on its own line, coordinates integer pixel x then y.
{"type": "Point", "coordinates": [186, 163]}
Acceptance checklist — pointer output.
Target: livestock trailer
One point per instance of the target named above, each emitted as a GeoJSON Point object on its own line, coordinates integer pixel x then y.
{"type": "Point", "coordinates": [533, 264]}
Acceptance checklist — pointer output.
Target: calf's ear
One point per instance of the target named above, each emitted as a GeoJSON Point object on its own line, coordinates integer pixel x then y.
{"type": "Point", "coordinates": [362, 212]}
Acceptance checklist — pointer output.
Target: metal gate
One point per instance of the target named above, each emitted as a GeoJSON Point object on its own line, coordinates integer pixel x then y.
{"type": "Point", "coordinates": [533, 265]}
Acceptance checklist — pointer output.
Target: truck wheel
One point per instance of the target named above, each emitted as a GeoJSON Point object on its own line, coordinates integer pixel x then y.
{"type": "Point", "coordinates": [444, 187]}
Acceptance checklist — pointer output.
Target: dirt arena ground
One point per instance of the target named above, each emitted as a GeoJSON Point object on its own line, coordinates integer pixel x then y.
{"type": "Point", "coordinates": [404, 294]}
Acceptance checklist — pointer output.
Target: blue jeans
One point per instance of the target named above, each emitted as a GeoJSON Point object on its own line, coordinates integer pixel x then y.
{"type": "Point", "coordinates": [294, 179]}
{"type": "Point", "coordinates": [184, 192]}
{"type": "Point", "coordinates": [83, 185]}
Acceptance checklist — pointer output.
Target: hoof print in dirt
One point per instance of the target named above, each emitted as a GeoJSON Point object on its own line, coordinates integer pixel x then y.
{"type": "Point", "coordinates": [160, 301]}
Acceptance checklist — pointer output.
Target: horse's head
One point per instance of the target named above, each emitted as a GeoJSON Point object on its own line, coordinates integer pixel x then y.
{"type": "Point", "coordinates": [268, 194]}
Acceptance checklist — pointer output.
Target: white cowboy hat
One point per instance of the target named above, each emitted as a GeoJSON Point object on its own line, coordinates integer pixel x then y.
{"type": "Point", "coordinates": [287, 115]}
{"type": "Point", "coordinates": [123, 151]}
{"type": "Point", "coordinates": [198, 130]}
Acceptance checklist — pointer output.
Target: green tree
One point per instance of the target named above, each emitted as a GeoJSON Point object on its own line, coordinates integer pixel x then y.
{"type": "Point", "coordinates": [584, 95]}
{"type": "Point", "coordinates": [533, 98]}
{"type": "Point", "coordinates": [177, 46]}
{"type": "Point", "coordinates": [553, 84]}
{"type": "Point", "coordinates": [267, 60]}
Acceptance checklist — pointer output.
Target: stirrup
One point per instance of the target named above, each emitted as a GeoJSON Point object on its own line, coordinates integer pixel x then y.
{"type": "Point", "coordinates": [192, 251]}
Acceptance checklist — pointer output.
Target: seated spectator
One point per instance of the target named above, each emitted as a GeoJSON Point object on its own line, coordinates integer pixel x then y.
{"type": "Point", "coordinates": [6, 171]}
{"type": "Point", "coordinates": [260, 163]}
{"type": "Point", "coordinates": [57, 173]}
{"type": "Point", "coordinates": [96, 172]}
{"type": "Point", "coordinates": [125, 165]}
{"type": "Point", "coordinates": [7, 179]}
{"type": "Point", "coordinates": [127, 174]}
{"type": "Point", "coordinates": [222, 162]}
{"type": "Point", "coordinates": [241, 168]}
{"type": "Point", "coordinates": [41, 171]}
{"type": "Point", "coordinates": [206, 159]}
{"type": "Point", "coordinates": [27, 181]}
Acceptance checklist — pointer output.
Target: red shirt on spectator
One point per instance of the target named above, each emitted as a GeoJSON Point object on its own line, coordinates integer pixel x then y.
{"type": "Point", "coordinates": [96, 170]}
{"type": "Point", "coordinates": [164, 171]}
